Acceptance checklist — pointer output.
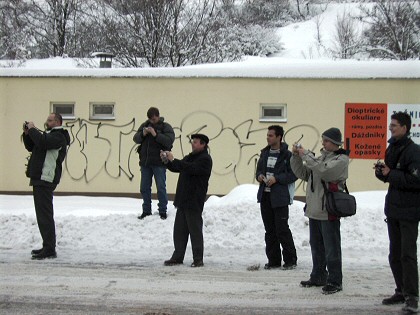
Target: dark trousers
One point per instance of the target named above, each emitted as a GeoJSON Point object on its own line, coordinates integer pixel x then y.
{"type": "Point", "coordinates": [43, 200]}
{"type": "Point", "coordinates": [325, 240]}
{"type": "Point", "coordinates": [188, 223]}
{"type": "Point", "coordinates": [277, 232]}
{"type": "Point", "coordinates": [403, 255]}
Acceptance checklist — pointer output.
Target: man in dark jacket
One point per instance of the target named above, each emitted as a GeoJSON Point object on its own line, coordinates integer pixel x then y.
{"type": "Point", "coordinates": [48, 149]}
{"type": "Point", "coordinates": [154, 135]}
{"type": "Point", "coordinates": [194, 174]}
{"type": "Point", "coordinates": [402, 209]}
{"type": "Point", "coordinates": [274, 175]}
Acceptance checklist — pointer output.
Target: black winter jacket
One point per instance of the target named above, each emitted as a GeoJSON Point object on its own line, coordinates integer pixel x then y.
{"type": "Point", "coordinates": [194, 174]}
{"type": "Point", "coordinates": [149, 149]}
{"type": "Point", "coordinates": [48, 152]}
{"type": "Point", "coordinates": [279, 194]}
{"type": "Point", "coordinates": [402, 201]}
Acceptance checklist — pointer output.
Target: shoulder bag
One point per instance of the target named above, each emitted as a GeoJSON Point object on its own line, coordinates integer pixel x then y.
{"type": "Point", "coordinates": [339, 203]}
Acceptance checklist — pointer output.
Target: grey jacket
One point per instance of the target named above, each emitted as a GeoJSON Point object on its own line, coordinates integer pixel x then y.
{"type": "Point", "coordinates": [330, 167]}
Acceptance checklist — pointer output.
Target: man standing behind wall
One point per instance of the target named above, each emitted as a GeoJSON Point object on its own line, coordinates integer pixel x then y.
{"type": "Point", "coordinates": [153, 136]}
{"type": "Point", "coordinates": [44, 169]}
{"type": "Point", "coordinates": [402, 209]}
{"type": "Point", "coordinates": [274, 175]}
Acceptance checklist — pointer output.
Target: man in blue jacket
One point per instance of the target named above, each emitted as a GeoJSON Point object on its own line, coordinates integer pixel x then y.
{"type": "Point", "coordinates": [48, 150]}
{"type": "Point", "coordinates": [191, 190]}
{"type": "Point", "coordinates": [274, 175]}
{"type": "Point", "coordinates": [402, 209]}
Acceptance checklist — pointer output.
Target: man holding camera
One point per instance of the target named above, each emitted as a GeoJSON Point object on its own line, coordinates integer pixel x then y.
{"type": "Point", "coordinates": [153, 136]}
{"type": "Point", "coordinates": [191, 190]}
{"type": "Point", "coordinates": [402, 209]}
{"type": "Point", "coordinates": [48, 150]}
{"type": "Point", "coordinates": [274, 175]}
{"type": "Point", "coordinates": [324, 229]}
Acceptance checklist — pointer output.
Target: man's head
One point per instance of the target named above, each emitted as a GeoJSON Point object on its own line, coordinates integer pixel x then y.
{"type": "Point", "coordinates": [274, 136]}
{"type": "Point", "coordinates": [153, 115]}
{"type": "Point", "coordinates": [400, 125]}
{"type": "Point", "coordinates": [199, 142]}
{"type": "Point", "coordinates": [53, 120]}
{"type": "Point", "coordinates": [331, 139]}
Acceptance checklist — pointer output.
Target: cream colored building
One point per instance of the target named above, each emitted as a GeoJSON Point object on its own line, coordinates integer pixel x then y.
{"type": "Point", "coordinates": [223, 101]}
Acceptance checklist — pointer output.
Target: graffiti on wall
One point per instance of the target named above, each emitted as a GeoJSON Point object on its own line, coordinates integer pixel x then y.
{"type": "Point", "coordinates": [105, 148]}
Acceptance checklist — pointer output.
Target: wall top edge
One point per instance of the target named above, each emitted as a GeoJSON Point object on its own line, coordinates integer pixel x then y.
{"type": "Point", "coordinates": [299, 70]}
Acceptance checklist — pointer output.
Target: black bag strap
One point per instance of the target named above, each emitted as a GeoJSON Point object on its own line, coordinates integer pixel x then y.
{"type": "Point", "coordinates": [326, 188]}
{"type": "Point", "coordinates": [346, 189]}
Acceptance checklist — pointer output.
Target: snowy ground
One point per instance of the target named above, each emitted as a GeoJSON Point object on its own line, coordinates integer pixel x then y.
{"type": "Point", "coordinates": [109, 262]}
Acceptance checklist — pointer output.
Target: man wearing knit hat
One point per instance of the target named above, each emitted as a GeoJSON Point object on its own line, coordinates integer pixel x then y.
{"type": "Point", "coordinates": [324, 229]}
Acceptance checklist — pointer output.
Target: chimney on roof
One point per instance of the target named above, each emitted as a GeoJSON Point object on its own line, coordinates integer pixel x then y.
{"type": "Point", "coordinates": [105, 59]}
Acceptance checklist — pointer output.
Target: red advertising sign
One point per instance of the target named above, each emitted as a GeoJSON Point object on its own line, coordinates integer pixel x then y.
{"type": "Point", "coordinates": [366, 127]}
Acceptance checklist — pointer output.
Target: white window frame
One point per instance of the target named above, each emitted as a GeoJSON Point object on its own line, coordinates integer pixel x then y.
{"type": "Point", "coordinates": [65, 116]}
{"type": "Point", "coordinates": [95, 116]}
{"type": "Point", "coordinates": [268, 118]}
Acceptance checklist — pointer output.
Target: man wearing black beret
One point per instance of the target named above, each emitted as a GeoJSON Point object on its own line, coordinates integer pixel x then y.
{"type": "Point", "coordinates": [194, 174]}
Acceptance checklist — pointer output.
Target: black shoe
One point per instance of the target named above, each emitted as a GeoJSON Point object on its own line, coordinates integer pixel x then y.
{"type": "Point", "coordinates": [269, 266]}
{"type": "Point", "coordinates": [197, 263]}
{"type": "Point", "coordinates": [397, 298]}
{"type": "Point", "coordinates": [331, 288]}
{"type": "Point", "coordinates": [289, 266]}
{"type": "Point", "coordinates": [172, 262]}
{"type": "Point", "coordinates": [411, 305]}
{"type": "Point", "coordinates": [163, 215]}
{"type": "Point", "coordinates": [311, 283]}
{"type": "Point", "coordinates": [45, 254]}
{"type": "Point", "coordinates": [143, 215]}
{"type": "Point", "coordinates": [36, 251]}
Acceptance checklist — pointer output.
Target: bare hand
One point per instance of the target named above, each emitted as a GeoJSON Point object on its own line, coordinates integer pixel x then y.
{"type": "Point", "coordinates": [261, 178]}
{"type": "Point", "coordinates": [301, 151]}
{"type": "Point", "coordinates": [298, 150]}
{"type": "Point", "coordinates": [385, 170]}
{"type": "Point", "coordinates": [152, 131]}
{"type": "Point", "coordinates": [166, 155]}
{"type": "Point", "coordinates": [30, 125]}
{"type": "Point", "coordinates": [271, 181]}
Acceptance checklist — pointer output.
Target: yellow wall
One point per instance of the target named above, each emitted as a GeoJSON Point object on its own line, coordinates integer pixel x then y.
{"type": "Point", "coordinates": [226, 109]}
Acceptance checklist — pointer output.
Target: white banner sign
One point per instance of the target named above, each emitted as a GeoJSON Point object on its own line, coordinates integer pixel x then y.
{"type": "Point", "coordinates": [414, 111]}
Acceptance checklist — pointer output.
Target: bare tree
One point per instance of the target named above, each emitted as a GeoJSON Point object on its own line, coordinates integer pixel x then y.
{"type": "Point", "coordinates": [394, 29]}
{"type": "Point", "coordinates": [309, 8]}
{"type": "Point", "coordinates": [159, 33]}
{"type": "Point", "coordinates": [52, 25]}
{"type": "Point", "coordinates": [267, 13]}
{"type": "Point", "coordinates": [190, 30]}
{"type": "Point", "coordinates": [14, 36]}
{"type": "Point", "coordinates": [138, 30]}
{"type": "Point", "coordinates": [346, 37]}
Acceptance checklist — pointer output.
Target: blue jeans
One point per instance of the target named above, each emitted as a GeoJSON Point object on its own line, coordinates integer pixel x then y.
{"type": "Point", "coordinates": [325, 240]}
{"type": "Point", "coordinates": [159, 172]}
